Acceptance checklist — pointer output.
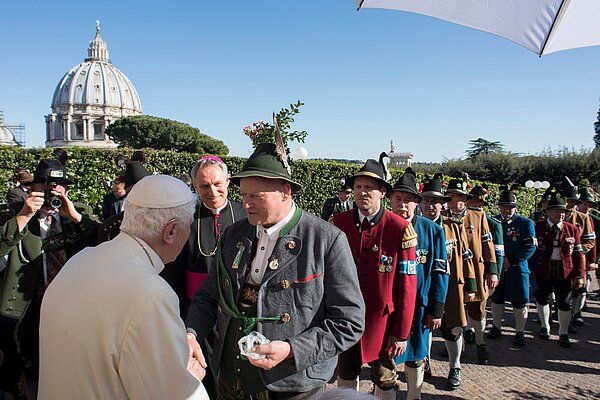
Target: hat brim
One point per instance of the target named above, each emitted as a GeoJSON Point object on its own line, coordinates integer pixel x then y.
{"type": "Point", "coordinates": [406, 189]}
{"type": "Point", "coordinates": [507, 203]}
{"type": "Point", "coordinates": [367, 174]}
{"type": "Point", "coordinates": [435, 195]}
{"type": "Point", "coordinates": [485, 203]}
{"type": "Point", "coordinates": [576, 200]}
{"type": "Point", "coordinates": [557, 207]}
{"type": "Point", "coordinates": [61, 181]}
{"type": "Point", "coordinates": [458, 191]}
{"type": "Point", "coordinates": [296, 187]}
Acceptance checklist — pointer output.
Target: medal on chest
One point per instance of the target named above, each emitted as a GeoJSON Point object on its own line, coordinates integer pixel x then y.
{"type": "Point", "coordinates": [422, 256]}
{"type": "Point", "coordinates": [513, 234]}
{"type": "Point", "coordinates": [385, 264]}
{"type": "Point", "coordinates": [450, 245]}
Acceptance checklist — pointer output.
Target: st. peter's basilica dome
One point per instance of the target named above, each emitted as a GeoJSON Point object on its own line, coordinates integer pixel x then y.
{"type": "Point", "coordinates": [88, 98]}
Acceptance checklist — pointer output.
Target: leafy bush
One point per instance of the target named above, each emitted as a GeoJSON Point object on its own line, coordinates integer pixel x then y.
{"type": "Point", "coordinates": [94, 169]}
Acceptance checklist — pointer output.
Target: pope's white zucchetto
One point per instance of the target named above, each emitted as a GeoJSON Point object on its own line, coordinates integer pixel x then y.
{"type": "Point", "coordinates": [160, 191]}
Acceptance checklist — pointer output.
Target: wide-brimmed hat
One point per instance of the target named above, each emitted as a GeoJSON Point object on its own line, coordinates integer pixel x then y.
{"type": "Point", "coordinates": [52, 169]}
{"type": "Point", "coordinates": [407, 183]}
{"type": "Point", "coordinates": [585, 194]}
{"type": "Point", "coordinates": [344, 185]}
{"type": "Point", "coordinates": [23, 176]}
{"type": "Point", "coordinates": [267, 163]}
{"type": "Point", "coordinates": [556, 202]}
{"type": "Point", "coordinates": [479, 193]}
{"type": "Point", "coordinates": [457, 186]}
{"type": "Point", "coordinates": [372, 169]}
{"type": "Point", "coordinates": [134, 172]}
{"type": "Point", "coordinates": [507, 198]}
{"type": "Point", "coordinates": [571, 193]}
{"type": "Point", "coordinates": [433, 188]}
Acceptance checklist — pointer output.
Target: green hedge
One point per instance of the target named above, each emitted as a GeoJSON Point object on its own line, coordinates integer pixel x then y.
{"type": "Point", "coordinates": [94, 169]}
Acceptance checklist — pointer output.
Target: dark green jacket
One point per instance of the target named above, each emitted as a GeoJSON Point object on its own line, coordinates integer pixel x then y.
{"type": "Point", "coordinates": [23, 274]}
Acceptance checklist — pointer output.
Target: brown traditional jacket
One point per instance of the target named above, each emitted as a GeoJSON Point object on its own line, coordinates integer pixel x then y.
{"type": "Point", "coordinates": [462, 272]}
{"type": "Point", "coordinates": [481, 245]}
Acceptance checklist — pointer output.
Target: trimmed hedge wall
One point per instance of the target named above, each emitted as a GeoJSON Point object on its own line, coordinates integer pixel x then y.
{"type": "Point", "coordinates": [94, 169]}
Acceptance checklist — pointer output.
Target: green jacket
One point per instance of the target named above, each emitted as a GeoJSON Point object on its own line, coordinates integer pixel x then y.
{"type": "Point", "coordinates": [22, 277]}
{"type": "Point", "coordinates": [498, 239]}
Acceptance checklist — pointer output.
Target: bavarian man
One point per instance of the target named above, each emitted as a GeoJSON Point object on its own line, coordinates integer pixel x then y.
{"type": "Point", "coordinates": [432, 281]}
{"type": "Point", "coordinates": [285, 274]}
{"type": "Point", "coordinates": [384, 250]}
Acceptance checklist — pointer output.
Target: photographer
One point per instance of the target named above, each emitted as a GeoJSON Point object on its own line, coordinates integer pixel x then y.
{"type": "Point", "coordinates": [44, 233]}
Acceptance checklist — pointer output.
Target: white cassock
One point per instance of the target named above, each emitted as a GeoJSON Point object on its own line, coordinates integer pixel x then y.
{"type": "Point", "coordinates": [110, 329]}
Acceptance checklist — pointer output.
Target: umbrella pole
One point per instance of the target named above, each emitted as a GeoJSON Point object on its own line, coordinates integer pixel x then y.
{"type": "Point", "coordinates": [561, 10]}
{"type": "Point", "coordinates": [360, 5]}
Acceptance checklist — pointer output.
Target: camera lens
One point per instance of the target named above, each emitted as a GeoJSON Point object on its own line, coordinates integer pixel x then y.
{"type": "Point", "coordinates": [55, 202]}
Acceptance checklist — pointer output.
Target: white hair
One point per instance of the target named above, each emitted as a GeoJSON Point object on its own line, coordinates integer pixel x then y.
{"type": "Point", "coordinates": [207, 162]}
{"type": "Point", "coordinates": [148, 223]}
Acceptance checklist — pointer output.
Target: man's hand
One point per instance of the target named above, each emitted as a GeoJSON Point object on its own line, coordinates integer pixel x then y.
{"type": "Point", "coordinates": [67, 210]}
{"type": "Point", "coordinates": [578, 282]}
{"type": "Point", "coordinates": [396, 346]}
{"type": "Point", "coordinates": [33, 202]}
{"type": "Point", "coordinates": [505, 265]}
{"type": "Point", "coordinates": [492, 281]}
{"type": "Point", "coordinates": [432, 322]}
{"type": "Point", "coordinates": [196, 361]}
{"type": "Point", "coordinates": [275, 351]}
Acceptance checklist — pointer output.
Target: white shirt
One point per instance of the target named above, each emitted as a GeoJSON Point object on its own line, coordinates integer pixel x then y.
{"type": "Point", "coordinates": [110, 329]}
{"type": "Point", "coordinates": [369, 218]}
{"type": "Point", "coordinates": [216, 211]}
{"type": "Point", "coordinates": [267, 237]}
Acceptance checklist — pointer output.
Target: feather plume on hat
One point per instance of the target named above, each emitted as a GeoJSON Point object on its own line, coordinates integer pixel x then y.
{"type": "Point", "coordinates": [280, 148]}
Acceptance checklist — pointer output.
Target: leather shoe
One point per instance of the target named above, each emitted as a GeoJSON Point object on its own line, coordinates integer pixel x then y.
{"type": "Point", "coordinates": [454, 378]}
{"type": "Point", "coordinates": [494, 332]}
{"type": "Point", "coordinates": [519, 340]}
{"type": "Point", "coordinates": [564, 341]}
{"type": "Point", "coordinates": [482, 354]}
{"type": "Point", "coordinates": [469, 336]}
{"type": "Point", "coordinates": [577, 320]}
{"type": "Point", "coordinates": [544, 335]}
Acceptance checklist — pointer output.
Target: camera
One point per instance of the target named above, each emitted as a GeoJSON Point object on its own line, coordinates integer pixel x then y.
{"type": "Point", "coordinates": [53, 177]}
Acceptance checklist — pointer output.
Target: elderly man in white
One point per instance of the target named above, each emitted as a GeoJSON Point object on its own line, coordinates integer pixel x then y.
{"type": "Point", "coordinates": [110, 326]}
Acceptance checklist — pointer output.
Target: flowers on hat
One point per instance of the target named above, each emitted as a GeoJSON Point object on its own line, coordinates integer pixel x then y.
{"type": "Point", "coordinates": [263, 132]}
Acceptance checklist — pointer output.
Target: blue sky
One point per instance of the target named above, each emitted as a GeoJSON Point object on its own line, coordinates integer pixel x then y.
{"type": "Point", "coordinates": [366, 77]}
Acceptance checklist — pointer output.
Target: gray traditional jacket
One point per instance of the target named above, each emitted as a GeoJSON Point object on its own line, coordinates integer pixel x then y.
{"type": "Point", "coordinates": [313, 287]}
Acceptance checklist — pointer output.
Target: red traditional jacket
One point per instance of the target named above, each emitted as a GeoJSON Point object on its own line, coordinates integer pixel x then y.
{"type": "Point", "coordinates": [385, 260]}
{"type": "Point", "coordinates": [571, 251]}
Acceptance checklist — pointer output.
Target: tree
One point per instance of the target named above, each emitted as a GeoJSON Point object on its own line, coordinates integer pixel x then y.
{"type": "Point", "coordinates": [482, 146]}
{"type": "Point", "coordinates": [597, 129]}
{"type": "Point", "coordinates": [143, 131]}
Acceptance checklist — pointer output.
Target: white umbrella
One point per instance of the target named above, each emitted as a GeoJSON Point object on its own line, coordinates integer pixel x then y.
{"type": "Point", "coordinates": [542, 26]}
